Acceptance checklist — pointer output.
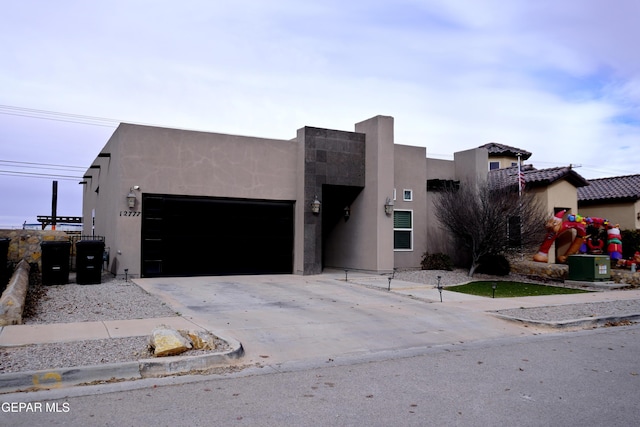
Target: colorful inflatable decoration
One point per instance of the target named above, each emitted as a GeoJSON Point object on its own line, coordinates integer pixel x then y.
{"type": "Point", "coordinates": [584, 242]}
{"type": "Point", "coordinates": [614, 242]}
{"type": "Point", "coordinates": [630, 263]}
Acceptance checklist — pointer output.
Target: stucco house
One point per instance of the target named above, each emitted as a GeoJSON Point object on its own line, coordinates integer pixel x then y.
{"type": "Point", "coordinates": [503, 156]}
{"type": "Point", "coordinates": [180, 202]}
{"type": "Point", "coordinates": [557, 188]}
{"type": "Point", "coordinates": [616, 198]}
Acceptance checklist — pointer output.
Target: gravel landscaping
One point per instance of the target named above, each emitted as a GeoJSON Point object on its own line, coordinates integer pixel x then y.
{"type": "Point", "coordinates": [114, 299]}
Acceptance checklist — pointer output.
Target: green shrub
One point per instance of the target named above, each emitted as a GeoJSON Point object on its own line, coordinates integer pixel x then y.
{"type": "Point", "coordinates": [437, 261]}
{"type": "Point", "coordinates": [496, 265]}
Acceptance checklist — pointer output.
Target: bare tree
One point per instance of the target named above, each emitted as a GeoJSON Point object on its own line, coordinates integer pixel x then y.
{"type": "Point", "coordinates": [490, 221]}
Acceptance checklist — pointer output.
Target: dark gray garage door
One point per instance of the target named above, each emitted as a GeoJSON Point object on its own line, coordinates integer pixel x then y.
{"type": "Point", "coordinates": [197, 236]}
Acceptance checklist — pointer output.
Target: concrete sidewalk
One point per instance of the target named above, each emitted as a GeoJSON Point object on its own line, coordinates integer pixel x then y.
{"type": "Point", "coordinates": [18, 335]}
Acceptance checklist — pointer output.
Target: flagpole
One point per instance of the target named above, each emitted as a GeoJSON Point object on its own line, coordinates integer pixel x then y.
{"type": "Point", "coordinates": [520, 185]}
{"type": "Point", "coordinates": [520, 177]}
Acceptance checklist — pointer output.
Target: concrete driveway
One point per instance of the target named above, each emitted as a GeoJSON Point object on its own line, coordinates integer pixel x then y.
{"type": "Point", "coordinates": [284, 318]}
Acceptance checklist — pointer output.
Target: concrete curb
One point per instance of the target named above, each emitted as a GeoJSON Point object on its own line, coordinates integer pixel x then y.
{"type": "Point", "coordinates": [116, 372]}
{"type": "Point", "coordinates": [573, 323]}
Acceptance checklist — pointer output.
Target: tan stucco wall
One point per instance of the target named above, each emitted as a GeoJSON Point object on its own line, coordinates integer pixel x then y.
{"type": "Point", "coordinates": [372, 230]}
{"type": "Point", "coordinates": [504, 161]}
{"type": "Point", "coordinates": [179, 162]}
{"type": "Point", "coordinates": [471, 165]}
{"type": "Point", "coordinates": [440, 169]}
{"type": "Point", "coordinates": [560, 194]}
{"type": "Point", "coordinates": [625, 214]}
{"type": "Point", "coordinates": [411, 174]}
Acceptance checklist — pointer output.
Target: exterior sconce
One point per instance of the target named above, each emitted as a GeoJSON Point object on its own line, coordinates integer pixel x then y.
{"type": "Point", "coordinates": [131, 197]}
{"type": "Point", "coordinates": [388, 207]}
{"type": "Point", "coordinates": [315, 205]}
{"type": "Point", "coordinates": [347, 212]}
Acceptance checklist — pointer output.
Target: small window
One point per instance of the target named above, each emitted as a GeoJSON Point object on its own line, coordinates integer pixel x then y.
{"type": "Point", "coordinates": [514, 164]}
{"type": "Point", "coordinates": [403, 230]}
{"type": "Point", "coordinates": [494, 165]}
{"type": "Point", "coordinates": [407, 195]}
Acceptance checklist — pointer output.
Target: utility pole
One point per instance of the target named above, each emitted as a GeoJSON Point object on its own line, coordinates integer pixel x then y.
{"type": "Point", "coordinates": [54, 205]}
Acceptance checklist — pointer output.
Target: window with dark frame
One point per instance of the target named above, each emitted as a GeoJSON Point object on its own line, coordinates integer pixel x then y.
{"type": "Point", "coordinates": [402, 230]}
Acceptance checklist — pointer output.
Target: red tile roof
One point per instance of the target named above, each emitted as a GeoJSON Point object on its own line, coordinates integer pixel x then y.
{"type": "Point", "coordinates": [613, 189]}
{"type": "Point", "coordinates": [535, 177]}
{"type": "Point", "coordinates": [496, 149]}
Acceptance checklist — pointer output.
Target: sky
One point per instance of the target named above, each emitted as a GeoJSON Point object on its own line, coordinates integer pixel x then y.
{"type": "Point", "coordinates": [560, 79]}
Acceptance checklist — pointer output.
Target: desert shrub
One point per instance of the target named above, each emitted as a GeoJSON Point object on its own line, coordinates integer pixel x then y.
{"type": "Point", "coordinates": [496, 265]}
{"type": "Point", "coordinates": [438, 261]}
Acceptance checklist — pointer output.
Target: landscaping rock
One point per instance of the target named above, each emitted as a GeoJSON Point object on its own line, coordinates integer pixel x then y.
{"type": "Point", "coordinates": [201, 340]}
{"type": "Point", "coordinates": [166, 341]}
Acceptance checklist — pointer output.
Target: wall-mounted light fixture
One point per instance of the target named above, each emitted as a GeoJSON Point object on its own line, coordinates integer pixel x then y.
{"type": "Point", "coordinates": [131, 197]}
{"type": "Point", "coordinates": [315, 205]}
{"type": "Point", "coordinates": [347, 212]}
{"type": "Point", "coordinates": [388, 207]}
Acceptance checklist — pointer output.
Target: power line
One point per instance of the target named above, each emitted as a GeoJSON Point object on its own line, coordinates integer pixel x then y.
{"type": "Point", "coordinates": [57, 116]}
{"type": "Point", "coordinates": [42, 165]}
{"type": "Point", "coordinates": [38, 175]}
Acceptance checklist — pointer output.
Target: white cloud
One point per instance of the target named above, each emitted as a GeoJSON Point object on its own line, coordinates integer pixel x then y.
{"type": "Point", "coordinates": [559, 79]}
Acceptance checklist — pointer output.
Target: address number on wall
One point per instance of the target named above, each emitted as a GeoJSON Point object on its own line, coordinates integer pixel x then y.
{"type": "Point", "coordinates": [130, 213]}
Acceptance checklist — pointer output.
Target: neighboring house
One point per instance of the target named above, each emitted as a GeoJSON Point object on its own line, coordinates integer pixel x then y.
{"type": "Point", "coordinates": [173, 202]}
{"type": "Point", "coordinates": [616, 199]}
{"type": "Point", "coordinates": [503, 156]}
{"type": "Point", "coordinates": [556, 188]}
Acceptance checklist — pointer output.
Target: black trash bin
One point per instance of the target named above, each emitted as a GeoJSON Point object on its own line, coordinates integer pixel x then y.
{"type": "Point", "coordinates": [89, 261]}
{"type": "Point", "coordinates": [55, 262]}
{"type": "Point", "coordinates": [4, 251]}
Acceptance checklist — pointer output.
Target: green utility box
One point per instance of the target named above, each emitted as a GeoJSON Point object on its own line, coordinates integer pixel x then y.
{"type": "Point", "coordinates": [589, 268]}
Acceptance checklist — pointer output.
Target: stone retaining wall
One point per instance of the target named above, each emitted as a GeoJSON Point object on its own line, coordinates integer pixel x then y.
{"type": "Point", "coordinates": [25, 244]}
{"type": "Point", "coordinates": [560, 272]}
{"type": "Point", "coordinates": [13, 298]}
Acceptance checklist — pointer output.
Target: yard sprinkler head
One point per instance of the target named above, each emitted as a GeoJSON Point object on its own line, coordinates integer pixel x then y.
{"type": "Point", "coordinates": [345, 275]}
{"type": "Point", "coordinates": [389, 288]}
{"type": "Point", "coordinates": [440, 287]}
{"type": "Point", "coordinates": [494, 285]}
{"type": "Point", "coordinates": [126, 273]}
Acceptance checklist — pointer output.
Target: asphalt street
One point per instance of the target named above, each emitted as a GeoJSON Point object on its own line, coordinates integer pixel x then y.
{"type": "Point", "coordinates": [584, 378]}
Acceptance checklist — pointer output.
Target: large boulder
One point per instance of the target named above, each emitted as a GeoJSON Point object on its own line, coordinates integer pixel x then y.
{"type": "Point", "coordinates": [166, 341]}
